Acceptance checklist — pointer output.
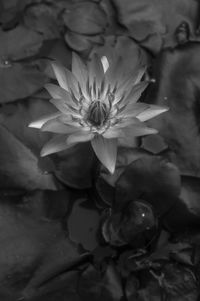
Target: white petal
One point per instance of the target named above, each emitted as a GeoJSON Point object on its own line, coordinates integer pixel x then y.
{"type": "Point", "coordinates": [40, 122]}
{"type": "Point", "coordinates": [59, 93]}
{"type": "Point", "coordinates": [105, 63]}
{"type": "Point", "coordinates": [60, 73]}
{"type": "Point", "coordinates": [80, 71]}
{"type": "Point", "coordinates": [55, 145]}
{"type": "Point", "coordinates": [138, 130]}
{"type": "Point", "coordinates": [151, 112]}
{"type": "Point", "coordinates": [80, 136]}
{"type": "Point", "coordinates": [106, 151]}
{"type": "Point", "coordinates": [133, 109]}
{"type": "Point", "coordinates": [66, 79]}
{"type": "Point", "coordinates": [140, 75]}
{"type": "Point", "coordinates": [135, 93]}
{"type": "Point", "coordinates": [113, 133]}
{"type": "Point", "coordinates": [96, 71]}
{"type": "Point", "coordinates": [64, 108]}
{"type": "Point", "coordinates": [55, 126]}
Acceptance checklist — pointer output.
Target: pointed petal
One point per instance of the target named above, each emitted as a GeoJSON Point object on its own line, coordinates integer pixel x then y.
{"type": "Point", "coordinates": [140, 74]}
{"type": "Point", "coordinates": [37, 124]}
{"type": "Point", "coordinates": [56, 91]}
{"type": "Point", "coordinates": [127, 83]}
{"type": "Point", "coordinates": [114, 69]}
{"type": "Point", "coordinates": [80, 71]}
{"type": "Point", "coordinates": [105, 63]}
{"type": "Point", "coordinates": [64, 108]}
{"type": "Point", "coordinates": [55, 145]}
{"type": "Point", "coordinates": [126, 122]}
{"type": "Point", "coordinates": [66, 79]}
{"type": "Point", "coordinates": [138, 130]}
{"type": "Point", "coordinates": [151, 112]}
{"type": "Point", "coordinates": [133, 109]}
{"type": "Point", "coordinates": [55, 126]}
{"type": "Point", "coordinates": [113, 133]}
{"type": "Point", "coordinates": [133, 93]}
{"type": "Point", "coordinates": [80, 136]}
{"type": "Point", "coordinates": [60, 73]}
{"type": "Point", "coordinates": [106, 151]}
{"type": "Point", "coordinates": [96, 70]}
{"type": "Point", "coordinates": [60, 93]}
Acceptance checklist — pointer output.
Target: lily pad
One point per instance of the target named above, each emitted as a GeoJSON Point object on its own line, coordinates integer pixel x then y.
{"type": "Point", "coordinates": [19, 81]}
{"type": "Point", "coordinates": [75, 166]}
{"type": "Point", "coordinates": [154, 24]}
{"type": "Point", "coordinates": [177, 74]}
{"type": "Point", "coordinates": [36, 253]}
{"type": "Point", "coordinates": [101, 286]}
{"type": "Point", "coordinates": [152, 179]}
{"type": "Point", "coordinates": [19, 43]}
{"type": "Point", "coordinates": [85, 18]}
{"type": "Point", "coordinates": [188, 207]}
{"type": "Point", "coordinates": [19, 166]}
{"type": "Point", "coordinates": [83, 224]}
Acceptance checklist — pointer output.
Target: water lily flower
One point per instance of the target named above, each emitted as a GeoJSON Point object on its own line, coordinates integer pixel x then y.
{"type": "Point", "coordinates": [96, 103]}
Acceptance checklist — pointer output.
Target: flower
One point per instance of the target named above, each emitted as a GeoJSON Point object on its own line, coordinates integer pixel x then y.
{"type": "Point", "coordinates": [96, 103]}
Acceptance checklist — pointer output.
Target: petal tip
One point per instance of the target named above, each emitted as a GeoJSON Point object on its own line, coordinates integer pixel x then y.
{"type": "Point", "coordinates": [111, 169]}
{"type": "Point", "coordinates": [105, 63]}
{"type": "Point", "coordinates": [43, 153]}
{"type": "Point", "coordinates": [35, 125]}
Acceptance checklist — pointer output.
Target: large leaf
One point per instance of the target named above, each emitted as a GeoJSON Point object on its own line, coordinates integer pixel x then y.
{"type": "Point", "coordinates": [19, 43]}
{"type": "Point", "coordinates": [187, 206]}
{"type": "Point", "coordinates": [19, 80]}
{"type": "Point", "coordinates": [43, 18]}
{"type": "Point", "coordinates": [100, 286]}
{"type": "Point", "coordinates": [21, 164]}
{"type": "Point", "coordinates": [83, 225]}
{"type": "Point", "coordinates": [85, 18]}
{"type": "Point", "coordinates": [154, 23]}
{"type": "Point", "coordinates": [36, 254]}
{"type": "Point", "coordinates": [75, 166]}
{"type": "Point", "coordinates": [177, 74]}
{"type": "Point", "coordinates": [151, 179]}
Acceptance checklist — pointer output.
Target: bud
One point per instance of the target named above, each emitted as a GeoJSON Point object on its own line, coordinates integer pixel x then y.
{"type": "Point", "coordinates": [133, 221]}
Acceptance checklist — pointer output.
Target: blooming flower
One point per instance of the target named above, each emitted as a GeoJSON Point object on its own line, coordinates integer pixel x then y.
{"type": "Point", "coordinates": [96, 103]}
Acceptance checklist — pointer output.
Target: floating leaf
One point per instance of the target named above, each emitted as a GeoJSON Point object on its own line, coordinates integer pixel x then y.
{"type": "Point", "coordinates": [36, 253]}
{"type": "Point", "coordinates": [43, 18]}
{"type": "Point", "coordinates": [83, 224]}
{"type": "Point", "coordinates": [177, 74]}
{"type": "Point", "coordinates": [19, 81]}
{"type": "Point", "coordinates": [154, 24]}
{"type": "Point", "coordinates": [188, 207]}
{"type": "Point", "coordinates": [85, 18]}
{"type": "Point", "coordinates": [19, 43]}
{"type": "Point", "coordinates": [19, 166]}
{"type": "Point", "coordinates": [152, 179]}
{"type": "Point", "coordinates": [69, 163]}
{"type": "Point", "coordinates": [100, 286]}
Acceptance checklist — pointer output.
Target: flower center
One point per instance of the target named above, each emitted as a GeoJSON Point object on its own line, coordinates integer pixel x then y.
{"type": "Point", "coordinates": [97, 113]}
